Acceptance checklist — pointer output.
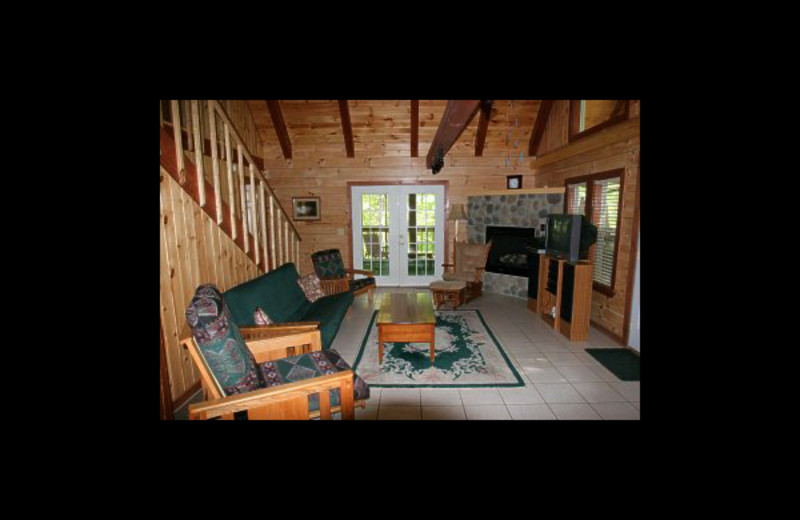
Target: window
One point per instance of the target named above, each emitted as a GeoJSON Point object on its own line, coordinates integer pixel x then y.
{"type": "Point", "coordinates": [599, 197]}
{"type": "Point", "coordinates": [591, 115]}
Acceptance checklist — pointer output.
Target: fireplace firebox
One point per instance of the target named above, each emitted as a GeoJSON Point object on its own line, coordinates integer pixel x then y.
{"type": "Point", "coordinates": [512, 250]}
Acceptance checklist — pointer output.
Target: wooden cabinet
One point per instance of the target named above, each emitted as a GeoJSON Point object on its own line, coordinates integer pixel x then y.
{"type": "Point", "coordinates": [564, 296]}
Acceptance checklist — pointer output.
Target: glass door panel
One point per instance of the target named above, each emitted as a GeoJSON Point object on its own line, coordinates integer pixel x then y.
{"type": "Point", "coordinates": [423, 212]}
{"type": "Point", "coordinates": [398, 233]}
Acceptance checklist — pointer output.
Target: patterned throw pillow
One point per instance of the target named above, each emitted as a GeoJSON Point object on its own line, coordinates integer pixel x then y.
{"type": "Point", "coordinates": [311, 287]}
{"type": "Point", "coordinates": [260, 317]}
{"type": "Point", "coordinates": [220, 342]}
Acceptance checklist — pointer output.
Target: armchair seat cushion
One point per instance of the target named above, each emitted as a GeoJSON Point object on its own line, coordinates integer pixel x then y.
{"type": "Point", "coordinates": [360, 283]}
{"type": "Point", "coordinates": [306, 366]}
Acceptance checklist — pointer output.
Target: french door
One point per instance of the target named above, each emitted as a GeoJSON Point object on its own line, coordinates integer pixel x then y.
{"type": "Point", "coordinates": [398, 233]}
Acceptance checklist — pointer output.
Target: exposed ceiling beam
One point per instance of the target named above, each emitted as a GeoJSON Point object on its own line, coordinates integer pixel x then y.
{"type": "Point", "coordinates": [280, 127]}
{"type": "Point", "coordinates": [483, 126]}
{"type": "Point", "coordinates": [344, 110]}
{"type": "Point", "coordinates": [456, 117]}
{"type": "Point", "coordinates": [415, 128]}
{"type": "Point", "coordinates": [539, 125]}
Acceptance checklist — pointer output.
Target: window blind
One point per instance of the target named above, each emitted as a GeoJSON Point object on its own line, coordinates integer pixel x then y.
{"type": "Point", "coordinates": [605, 215]}
{"type": "Point", "coordinates": [576, 199]}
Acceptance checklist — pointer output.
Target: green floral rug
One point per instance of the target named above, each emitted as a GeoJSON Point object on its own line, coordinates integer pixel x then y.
{"type": "Point", "coordinates": [467, 355]}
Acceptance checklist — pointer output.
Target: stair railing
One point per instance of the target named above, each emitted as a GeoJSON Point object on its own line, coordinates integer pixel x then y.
{"type": "Point", "coordinates": [275, 237]}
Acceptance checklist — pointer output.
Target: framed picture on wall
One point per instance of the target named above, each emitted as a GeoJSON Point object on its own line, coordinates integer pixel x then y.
{"type": "Point", "coordinates": [514, 182]}
{"type": "Point", "coordinates": [306, 208]}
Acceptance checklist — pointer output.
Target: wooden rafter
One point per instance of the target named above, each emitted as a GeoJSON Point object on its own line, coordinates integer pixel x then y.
{"type": "Point", "coordinates": [483, 126]}
{"type": "Point", "coordinates": [280, 127]}
{"type": "Point", "coordinates": [347, 128]}
{"type": "Point", "coordinates": [415, 128]}
{"type": "Point", "coordinates": [456, 117]}
{"type": "Point", "coordinates": [538, 127]}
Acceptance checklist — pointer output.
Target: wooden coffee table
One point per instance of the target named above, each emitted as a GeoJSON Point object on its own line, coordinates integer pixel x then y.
{"type": "Point", "coordinates": [406, 318]}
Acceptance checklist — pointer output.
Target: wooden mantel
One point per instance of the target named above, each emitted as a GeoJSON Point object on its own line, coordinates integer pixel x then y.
{"type": "Point", "coordinates": [530, 191]}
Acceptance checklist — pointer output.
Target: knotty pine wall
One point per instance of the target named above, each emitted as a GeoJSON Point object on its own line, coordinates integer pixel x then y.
{"type": "Point", "coordinates": [193, 251]}
{"type": "Point", "coordinates": [615, 147]}
{"type": "Point", "coordinates": [381, 134]}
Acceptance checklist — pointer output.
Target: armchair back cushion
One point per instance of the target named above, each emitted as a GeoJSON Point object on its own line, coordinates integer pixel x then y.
{"type": "Point", "coordinates": [470, 257]}
{"type": "Point", "coordinates": [220, 342]}
{"type": "Point", "coordinates": [328, 264]}
{"type": "Point", "coordinates": [276, 292]}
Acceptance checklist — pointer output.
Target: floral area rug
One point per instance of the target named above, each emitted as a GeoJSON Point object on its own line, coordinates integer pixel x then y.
{"type": "Point", "coordinates": [467, 355]}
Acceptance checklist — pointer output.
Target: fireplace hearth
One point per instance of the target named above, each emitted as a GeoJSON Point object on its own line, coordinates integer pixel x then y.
{"type": "Point", "coordinates": [512, 249]}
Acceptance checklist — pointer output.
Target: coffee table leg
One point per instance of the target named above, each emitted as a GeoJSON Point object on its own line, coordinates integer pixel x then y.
{"type": "Point", "coordinates": [380, 345]}
{"type": "Point", "coordinates": [433, 345]}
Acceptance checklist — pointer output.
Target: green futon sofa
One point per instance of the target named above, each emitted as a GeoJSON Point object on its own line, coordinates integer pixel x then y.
{"type": "Point", "coordinates": [279, 295]}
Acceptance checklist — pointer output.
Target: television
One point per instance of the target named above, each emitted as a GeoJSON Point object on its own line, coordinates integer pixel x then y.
{"type": "Point", "coordinates": [569, 237]}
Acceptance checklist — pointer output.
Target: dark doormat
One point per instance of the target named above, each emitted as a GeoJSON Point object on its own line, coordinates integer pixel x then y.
{"type": "Point", "coordinates": [620, 361]}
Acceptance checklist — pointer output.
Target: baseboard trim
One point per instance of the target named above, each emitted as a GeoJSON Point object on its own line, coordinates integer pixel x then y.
{"type": "Point", "coordinates": [608, 333]}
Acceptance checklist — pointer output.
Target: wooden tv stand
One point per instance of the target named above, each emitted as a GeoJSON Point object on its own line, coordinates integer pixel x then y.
{"type": "Point", "coordinates": [567, 287]}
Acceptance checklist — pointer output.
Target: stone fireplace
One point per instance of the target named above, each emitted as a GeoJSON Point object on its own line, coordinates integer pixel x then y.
{"type": "Point", "coordinates": [518, 219]}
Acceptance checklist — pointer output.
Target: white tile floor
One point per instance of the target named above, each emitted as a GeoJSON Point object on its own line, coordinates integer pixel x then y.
{"type": "Point", "coordinates": [562, 381]}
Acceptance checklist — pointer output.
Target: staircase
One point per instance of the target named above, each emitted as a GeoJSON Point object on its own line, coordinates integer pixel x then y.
{"type": "Point", "coordinates": [221, 223]}
{"type": "Point", "coordinates": [263, 230]}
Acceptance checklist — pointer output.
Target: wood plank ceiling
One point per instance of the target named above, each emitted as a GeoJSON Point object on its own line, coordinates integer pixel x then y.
{"type": "Point", "coordinates": [382, 128]}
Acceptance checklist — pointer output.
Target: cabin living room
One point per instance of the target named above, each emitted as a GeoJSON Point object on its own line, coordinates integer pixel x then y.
{"type": "Point", "coordinates": [419, 260]}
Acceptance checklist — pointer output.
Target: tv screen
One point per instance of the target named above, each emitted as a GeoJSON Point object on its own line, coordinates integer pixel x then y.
{"type": "Point", "coordinates": [570, 236]}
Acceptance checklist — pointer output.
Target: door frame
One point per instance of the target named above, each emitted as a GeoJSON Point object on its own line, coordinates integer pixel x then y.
{"type": "Point", "coordinates": [351, 184]}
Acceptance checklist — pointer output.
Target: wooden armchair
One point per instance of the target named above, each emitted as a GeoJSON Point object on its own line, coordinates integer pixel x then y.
{"type": "Point", "coordinates": [287, 401]}
{"type": "Point", "coordinates": [469, 265]}
{"type": "Point", "coordinates": [336, 278]}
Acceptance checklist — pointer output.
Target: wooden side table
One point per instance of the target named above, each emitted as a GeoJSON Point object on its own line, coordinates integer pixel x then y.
{"type": "Point", "coordinates": [448, 292]}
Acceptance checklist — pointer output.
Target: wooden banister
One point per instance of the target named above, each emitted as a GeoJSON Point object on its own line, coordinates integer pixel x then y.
{"type": "Point", "coordinates": [272, 244]}
{"type": "Point", "coordinates": [217, 106]}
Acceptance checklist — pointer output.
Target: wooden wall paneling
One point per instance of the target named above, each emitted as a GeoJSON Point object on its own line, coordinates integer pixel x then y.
{"type": "Point", "coordinates": [181, 270]}
{"type": "Point", "coordinates": [168, 317]}
{"type": "Point", "coordinates": [221, 255]}
{"type": "Point", "coordinates": [166, 410]}
{"type": "Point", "coordinates": [415, 128]}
